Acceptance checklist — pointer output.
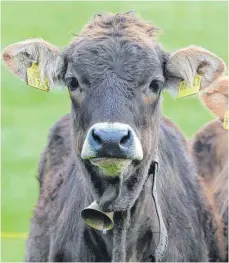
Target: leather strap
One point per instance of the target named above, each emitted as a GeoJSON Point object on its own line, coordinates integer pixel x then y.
{"type": "Point", "coordinates": [162, 246]}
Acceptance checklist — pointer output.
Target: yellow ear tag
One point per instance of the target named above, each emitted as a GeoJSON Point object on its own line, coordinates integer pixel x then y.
{"type": "Point", "coordinates": [225, 121]}
{"type": "Point", "coordinates": [186, 90]}
{"type": "Point", "coordinates": [34, 78]}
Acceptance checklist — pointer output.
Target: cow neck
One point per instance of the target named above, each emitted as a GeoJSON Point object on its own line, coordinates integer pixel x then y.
{"type": "Point", "coordinates": [122, 223]}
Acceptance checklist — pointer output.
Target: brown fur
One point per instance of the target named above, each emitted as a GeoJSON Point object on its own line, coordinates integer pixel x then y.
{"type": "Point", "coordinates": [215, 97]}
{"type": "Point", "coordinates": [209, 148]}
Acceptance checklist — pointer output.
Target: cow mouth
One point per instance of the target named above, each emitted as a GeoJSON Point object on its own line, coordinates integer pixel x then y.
{"type": "Point", "coordinates": [111, 166]}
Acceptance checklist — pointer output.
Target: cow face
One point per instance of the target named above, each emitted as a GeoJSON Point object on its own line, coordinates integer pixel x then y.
{"type": "Point", "coordinates": [115, 73]}
{"type": "Point", "coordinates": [115, 89]}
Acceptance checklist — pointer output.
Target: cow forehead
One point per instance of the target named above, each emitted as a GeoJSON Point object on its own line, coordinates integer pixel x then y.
{"type": "Point", "coordinates": [121, 24]}
{"type": "Point", "coordinates": [128, 59]}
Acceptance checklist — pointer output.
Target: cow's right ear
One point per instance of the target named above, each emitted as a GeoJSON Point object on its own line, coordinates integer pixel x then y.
{"type": "Point", "coordinates": [188, 63]}
{"type": "Point", "coordinates": [19, 57]}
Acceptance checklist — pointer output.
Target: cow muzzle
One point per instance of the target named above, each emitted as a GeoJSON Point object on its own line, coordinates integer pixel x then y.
{"type": "Point", "coordinates": [111, 147]}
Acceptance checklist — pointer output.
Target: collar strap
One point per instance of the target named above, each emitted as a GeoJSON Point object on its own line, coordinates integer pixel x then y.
{"type": "Point", "coordinates": [162, 245]}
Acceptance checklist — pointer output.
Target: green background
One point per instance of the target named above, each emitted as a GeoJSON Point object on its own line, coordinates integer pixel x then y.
{"type": "Point", "coordinates": [27, 114]}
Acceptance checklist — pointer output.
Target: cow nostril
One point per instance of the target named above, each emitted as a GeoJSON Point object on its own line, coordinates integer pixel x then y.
{"type": "Point", "coordinates": [125, 138]}
{"type": "Point", "coordinates": [96, 137]}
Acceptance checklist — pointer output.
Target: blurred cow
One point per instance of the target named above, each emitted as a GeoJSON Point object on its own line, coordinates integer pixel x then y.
{"type": "Point", "coordinates": [210, 150]}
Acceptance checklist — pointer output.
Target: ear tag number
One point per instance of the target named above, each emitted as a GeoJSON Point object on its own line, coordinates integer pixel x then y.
{"type": "Point", "coordinates": [34, 78]}
{"type": "Point", "coordinates": [186, 90]}
{"type": "Point", "coordinates": [225, 121]}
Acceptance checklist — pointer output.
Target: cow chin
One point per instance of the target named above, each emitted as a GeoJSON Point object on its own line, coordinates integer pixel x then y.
{"type": "Point", "coordinates": [111, 166]}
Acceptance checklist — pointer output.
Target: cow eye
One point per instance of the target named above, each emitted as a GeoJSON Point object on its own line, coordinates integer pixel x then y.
{"type": "Point", "coordinates": [155, 86]}
{"type": "Point", "coordinates": [72, 83]}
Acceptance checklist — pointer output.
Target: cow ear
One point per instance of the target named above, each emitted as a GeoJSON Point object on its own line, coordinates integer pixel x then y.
{"type": "Point", "coordinates": [39, 54]}
{"type": "Point", "coordinates": [186, 63]}
{"type": "Point", "coordinates": [215, 97]}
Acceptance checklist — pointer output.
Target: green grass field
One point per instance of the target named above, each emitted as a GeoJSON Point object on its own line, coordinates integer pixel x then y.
{"type": "Point", "coordinates": [27, 114]}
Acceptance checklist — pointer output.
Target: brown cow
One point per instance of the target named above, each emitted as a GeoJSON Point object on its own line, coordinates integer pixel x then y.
{"type": "Point", "coordinates": [210, 150]}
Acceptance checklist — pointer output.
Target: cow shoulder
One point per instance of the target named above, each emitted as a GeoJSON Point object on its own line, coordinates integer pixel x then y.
{"type": "Point", "coordinates": [55, 154]}
{"type": "Point", "coordinates": [174, 129]}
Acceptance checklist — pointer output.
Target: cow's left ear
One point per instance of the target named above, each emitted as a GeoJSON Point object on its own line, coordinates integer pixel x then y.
{"type": "Point", "coordinates": [186, 63]}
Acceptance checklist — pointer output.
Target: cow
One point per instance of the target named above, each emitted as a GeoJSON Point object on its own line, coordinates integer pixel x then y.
{"type": "Point", "coordinates": [209, 147]}
{"type": "Point", "coordinates": [116, 148]}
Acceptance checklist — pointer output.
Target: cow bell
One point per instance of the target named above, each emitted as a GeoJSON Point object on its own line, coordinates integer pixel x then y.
{"type": "Point", "coordinates": [96, 218]}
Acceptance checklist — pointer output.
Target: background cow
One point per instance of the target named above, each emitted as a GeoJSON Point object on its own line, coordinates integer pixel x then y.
{"type": "Point", "coordinates": [115, 72]}
{"type": "Point", "coordinates": [210, 150]}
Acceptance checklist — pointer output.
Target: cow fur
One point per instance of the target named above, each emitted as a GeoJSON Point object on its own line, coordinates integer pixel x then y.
{"type": "Point", "coordinates": [180, 199]}
{"type": "Point", "coordinates": [209, 147]}
{"type": "Point", "coordinates": [122, 71]}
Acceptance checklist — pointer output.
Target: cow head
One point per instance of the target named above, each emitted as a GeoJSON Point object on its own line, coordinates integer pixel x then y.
{"type": "Point", "coordinates": [115, 72]}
